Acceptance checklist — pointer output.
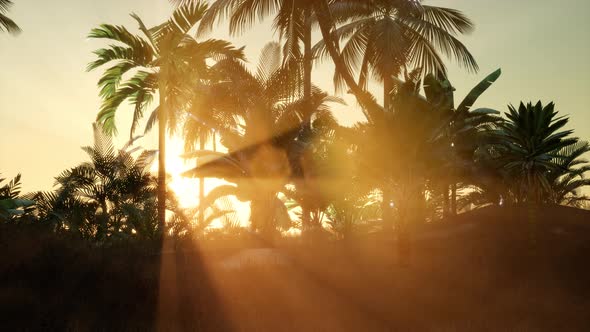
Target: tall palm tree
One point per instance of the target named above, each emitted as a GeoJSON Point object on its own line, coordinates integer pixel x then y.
{"type": "Point", "coordinates": [383, 36]}
{"type": "Point", "coordinates": [7, 24]}
{"type": "Point", "coordinates": [167, 60]}
{"type": "Point", "coordinates": [293, 21]}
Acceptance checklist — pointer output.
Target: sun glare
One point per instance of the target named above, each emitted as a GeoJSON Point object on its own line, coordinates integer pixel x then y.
{"type": "Point", "coordinates": [187, 189]}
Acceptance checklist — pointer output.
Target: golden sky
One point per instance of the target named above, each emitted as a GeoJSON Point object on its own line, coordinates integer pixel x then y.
{"type": "Point", "coordinates": [48, 101]}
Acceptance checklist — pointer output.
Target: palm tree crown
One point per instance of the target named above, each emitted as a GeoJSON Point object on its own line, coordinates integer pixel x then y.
{"type": "Point", "coordinates": [530, 140]}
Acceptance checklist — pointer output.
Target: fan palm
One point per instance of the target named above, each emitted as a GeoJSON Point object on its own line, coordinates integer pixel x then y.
{"type": "Point", "coordinates": [383, 36]}
{"type": "Point", "coordinates": [167, 60]}
{"type": "Point", "coordinates": [7, 24]}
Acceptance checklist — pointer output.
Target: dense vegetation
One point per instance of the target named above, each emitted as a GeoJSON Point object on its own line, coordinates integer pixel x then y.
{"type": "Point", "coordinates": [420, 159]}
{"type": "Point", "coordinates": [419, 156]}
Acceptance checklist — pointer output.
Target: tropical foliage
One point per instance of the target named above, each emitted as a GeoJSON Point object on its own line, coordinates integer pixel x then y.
{"type": "Point", "coordinates": [419, 156]}
{"type": "Point", "coordinates": [112, 195]}
{"type": "Point", "coordinates": [167, 60]}
{"type": "Point", "coordinates": [263, 133]}
{"type": "Point", "coordinates": [12, 206]}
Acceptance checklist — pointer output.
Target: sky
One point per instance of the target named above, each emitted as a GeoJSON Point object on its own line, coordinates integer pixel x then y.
{"type": "Point", "coordinates": [48, 101]}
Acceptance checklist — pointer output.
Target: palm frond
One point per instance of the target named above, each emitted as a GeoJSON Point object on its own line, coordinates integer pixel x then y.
{"type": "Point", "coordinates": [6, 23]}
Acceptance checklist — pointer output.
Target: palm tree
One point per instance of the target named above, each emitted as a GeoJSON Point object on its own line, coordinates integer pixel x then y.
{"type": "Point", "coordinates": [568, 178]}
{"type": "Point", "coordinates": [493, 184]}
{"type": "Point", "coordinates": [383, 36]}
{"type": "Point", "coordinates": [261, 132]}
{"type": "Point", "coordinates": [6, 24]}
{"type": "Point", "coordinates": [530, 141]}
{"type": "Point", "coordinates": [293, 21]}
{"type": "Point", "coordinates": [111, 194]}
{"type": "Point", "coordinates": [425, 140]}
{"type": "Point", "coordinates": [168, 60]}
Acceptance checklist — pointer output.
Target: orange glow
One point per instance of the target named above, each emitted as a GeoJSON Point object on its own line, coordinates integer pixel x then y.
{"type": "Point", "coordinates": [187, 189]}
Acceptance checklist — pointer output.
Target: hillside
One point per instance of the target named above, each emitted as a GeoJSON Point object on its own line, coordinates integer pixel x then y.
{"type": "Point", "coordinates": [476, 273]}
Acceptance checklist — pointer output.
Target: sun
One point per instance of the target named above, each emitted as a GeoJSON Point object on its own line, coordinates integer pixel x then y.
{"type": "Point", "coordinates": [187, 189]}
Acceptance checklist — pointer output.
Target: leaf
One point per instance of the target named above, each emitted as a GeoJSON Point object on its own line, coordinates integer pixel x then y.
{"type": "Point", "coordinates": [478, 90]}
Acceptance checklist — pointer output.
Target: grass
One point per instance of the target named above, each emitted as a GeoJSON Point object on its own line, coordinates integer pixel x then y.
{"type": "Point", "coordinates": [483, 277]}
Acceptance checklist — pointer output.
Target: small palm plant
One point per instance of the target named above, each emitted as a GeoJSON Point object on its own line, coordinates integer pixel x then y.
{"type": "Point", "coordinates": [569, 176]}
{"type": "Point", "coordinates": [530, 141]}
{"type": "Point", "coordinates": [109, 196]}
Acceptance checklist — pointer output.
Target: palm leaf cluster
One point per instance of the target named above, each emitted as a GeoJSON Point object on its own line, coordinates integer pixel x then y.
{"type": "Point", "coordinates": [12, 205]}
{"type": "Point", "coordinates": [111, 195]}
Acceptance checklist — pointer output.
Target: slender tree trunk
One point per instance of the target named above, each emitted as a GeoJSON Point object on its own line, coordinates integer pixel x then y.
{"type": "Point", "coordinates": [387, 209]}
{"type": "Point", "coordinates": [446, 202]}
{"type": "Point", "coordinates": [162, 113]}
{"type": "Point", "coordinates": [454, 198]}
{"type": "Point", "coordinates": [307, 58]}
{"type": "Point", "coordinates": [369, 105]}
{"type": "Point", "coordinates": [307, 68]}
{"type": "Point", "coordinates": [201, 184]}
{"type": "Point", "coordinates": [387, 88]}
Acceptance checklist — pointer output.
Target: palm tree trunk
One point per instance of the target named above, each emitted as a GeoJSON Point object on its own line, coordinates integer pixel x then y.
{"type": "Point", "coordinates": [307, 68]}
{"type": "Point", "coordinates": [387, 88]}
{"type": "Point", "coordinates": [162, 157]}
{"type": "Point", "coordinates": [454, 198]}
{"type": "Point", "coordinates": [307, 57]}
{"type": "Point", "coordinates": [326, 24]}
{"type": "Point", "coordinates": [387, 209]}
{"type": "Point", "coordinates": [445, 193]}
{"type": "Point", "coordinates": [201, 184]}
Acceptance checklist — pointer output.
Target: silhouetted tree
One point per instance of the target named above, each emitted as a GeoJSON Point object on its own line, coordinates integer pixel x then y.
{"type": "Point", "coordinates": [167, 60]}
{"type": "Point", "coordinates": [382, 37]}
{"type": "Point", "coordinates": [569, 177]}
{"type": "Point", "coordinates": [111, 195]}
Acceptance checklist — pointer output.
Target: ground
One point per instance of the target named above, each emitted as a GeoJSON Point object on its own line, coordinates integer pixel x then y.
{"type": "Point", "coordinates": [487, 270]}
